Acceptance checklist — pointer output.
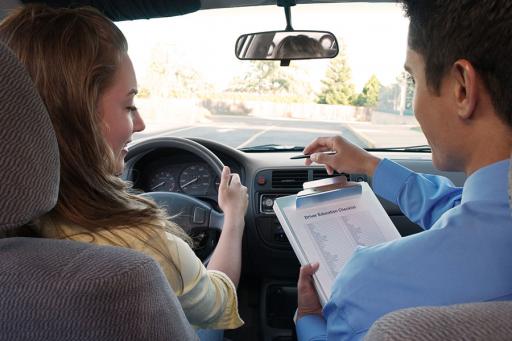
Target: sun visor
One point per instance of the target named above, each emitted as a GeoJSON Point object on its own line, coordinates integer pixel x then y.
{"type": "Point", "coordinates": [119, 10]}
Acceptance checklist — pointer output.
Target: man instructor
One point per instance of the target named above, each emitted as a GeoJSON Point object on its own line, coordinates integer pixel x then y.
{"type": "Point", "coordinates": [458, 56]}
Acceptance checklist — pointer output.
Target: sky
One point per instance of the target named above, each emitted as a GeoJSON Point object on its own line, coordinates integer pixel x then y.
{"type": "Point", "coordinates": [375, 38]}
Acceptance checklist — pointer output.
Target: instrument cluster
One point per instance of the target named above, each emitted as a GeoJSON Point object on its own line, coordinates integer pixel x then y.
{"type": "Point", "coordinates": [193, 178]}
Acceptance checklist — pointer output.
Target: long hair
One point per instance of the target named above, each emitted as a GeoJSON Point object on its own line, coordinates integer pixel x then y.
{"type": "Point", "coordinates": [72, 56]}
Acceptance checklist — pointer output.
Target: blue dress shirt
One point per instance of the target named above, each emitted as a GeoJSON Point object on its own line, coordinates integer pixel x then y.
{"type": "Point", "coordinates": [463, 256]}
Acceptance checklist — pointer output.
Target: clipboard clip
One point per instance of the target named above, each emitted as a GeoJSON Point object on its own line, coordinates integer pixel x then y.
{"type": "Point", "coordinates": [326, 189]}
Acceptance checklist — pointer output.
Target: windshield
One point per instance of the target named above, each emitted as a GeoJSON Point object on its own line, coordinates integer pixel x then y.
{"type": "Point", "coordinates": [192, 85]}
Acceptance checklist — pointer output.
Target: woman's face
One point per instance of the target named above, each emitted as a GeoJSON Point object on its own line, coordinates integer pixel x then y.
{"type": "Point", "coordinates": [120, 117]}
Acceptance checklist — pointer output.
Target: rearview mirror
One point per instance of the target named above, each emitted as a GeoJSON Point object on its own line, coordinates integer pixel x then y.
{"type": "Point", "coordinates": [286, 45]}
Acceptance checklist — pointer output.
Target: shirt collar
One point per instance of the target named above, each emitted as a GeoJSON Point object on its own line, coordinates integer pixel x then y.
{"type": "Point", "coordinates": [488, 183]}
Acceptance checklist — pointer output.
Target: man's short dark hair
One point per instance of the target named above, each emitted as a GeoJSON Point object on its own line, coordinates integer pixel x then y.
{"type": "Point", "coordinates": [480, 31]}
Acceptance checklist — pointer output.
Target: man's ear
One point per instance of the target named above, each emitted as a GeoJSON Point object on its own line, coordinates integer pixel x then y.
{"type": "Point", "coordinates": [465, 88]}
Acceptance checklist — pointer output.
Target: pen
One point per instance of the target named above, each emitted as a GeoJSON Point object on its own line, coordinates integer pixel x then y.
{"type": "Point", "coordinates": [302, 156]}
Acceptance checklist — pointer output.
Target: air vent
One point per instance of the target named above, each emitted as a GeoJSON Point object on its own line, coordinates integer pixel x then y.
{"type": "Point", "coordinates": [289, 178]}
{"type": "Point", "coordinates": [322, 174]}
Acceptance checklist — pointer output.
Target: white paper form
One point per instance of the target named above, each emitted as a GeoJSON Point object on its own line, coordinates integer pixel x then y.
{"type": "Point", "coordinates": [354, 228]}
{"type": "Point", "coordinates": [329, 231]}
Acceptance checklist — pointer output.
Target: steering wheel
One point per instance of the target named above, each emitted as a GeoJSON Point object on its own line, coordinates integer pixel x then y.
{"type": "Point", "coordinates": [197, 218]}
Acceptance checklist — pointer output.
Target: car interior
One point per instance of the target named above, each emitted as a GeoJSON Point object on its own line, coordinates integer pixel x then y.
{"type": "Point", "coordinates": [181, 171]}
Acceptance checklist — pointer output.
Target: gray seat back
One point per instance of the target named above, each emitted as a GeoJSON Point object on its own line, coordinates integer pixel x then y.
{"type": "Point", "coordinates": [56, 289]}
{"type": "Point", "coordinates": [472, 321]}
{"type": "Point", "coordinates": [29, 158]}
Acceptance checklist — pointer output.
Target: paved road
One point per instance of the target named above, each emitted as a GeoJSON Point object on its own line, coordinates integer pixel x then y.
{"type": "Point", "coordinates": [246, 131]}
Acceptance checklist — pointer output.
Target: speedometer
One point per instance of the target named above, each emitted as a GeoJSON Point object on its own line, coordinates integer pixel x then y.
{"type": "Point", "coordinates": [195, 180]}
{"type": "Point", "coordinates": [162, 181]}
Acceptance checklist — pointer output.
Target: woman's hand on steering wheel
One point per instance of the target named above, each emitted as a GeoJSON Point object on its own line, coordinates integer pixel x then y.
{"type": "Point", "coordinates": [233, 199]}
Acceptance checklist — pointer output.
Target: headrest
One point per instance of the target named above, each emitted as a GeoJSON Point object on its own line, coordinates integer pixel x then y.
{"type": "Point", "coordinates": [29, 156]}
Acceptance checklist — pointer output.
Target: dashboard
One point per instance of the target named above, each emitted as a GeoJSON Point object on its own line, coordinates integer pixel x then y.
{"type": "Point", "coordinates": [267, 176]}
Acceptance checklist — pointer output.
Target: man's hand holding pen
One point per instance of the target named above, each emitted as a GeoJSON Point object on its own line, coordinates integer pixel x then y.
{"type": "Point", "coordinates": [336, 153]}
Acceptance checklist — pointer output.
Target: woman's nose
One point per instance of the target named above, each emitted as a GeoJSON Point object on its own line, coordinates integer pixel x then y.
{"type": "Point", "coordinates": [138, 123]}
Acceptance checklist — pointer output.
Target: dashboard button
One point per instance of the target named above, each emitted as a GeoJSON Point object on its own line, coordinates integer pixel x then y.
{"type": "Point", "coordinates": [268, 202]}
{"type": "Point", "coordinates": [199, 215]}
{"type": "Point", "coordinates": [261, 180]}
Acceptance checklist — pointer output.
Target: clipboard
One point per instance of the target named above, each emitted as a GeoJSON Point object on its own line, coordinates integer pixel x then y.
{"type": "Point", "coordinates": [326, 189]}
{"type": "Point", "coordinates": [324, 221]}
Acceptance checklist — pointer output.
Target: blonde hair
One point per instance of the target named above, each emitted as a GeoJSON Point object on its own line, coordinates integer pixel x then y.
{"type": "Point", "coordinates": [72, 56]}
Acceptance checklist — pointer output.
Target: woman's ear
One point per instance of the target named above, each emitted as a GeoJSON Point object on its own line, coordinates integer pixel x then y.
{"type": "Point", "coordinates": [465, 89]}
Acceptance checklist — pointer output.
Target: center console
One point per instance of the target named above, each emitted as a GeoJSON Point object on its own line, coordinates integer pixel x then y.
{"type": "Point", "coordinates": [278, 298]}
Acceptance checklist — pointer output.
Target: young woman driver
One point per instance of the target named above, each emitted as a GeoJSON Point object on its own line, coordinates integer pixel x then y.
{"type": "Point", "coordinates": [78, 61]}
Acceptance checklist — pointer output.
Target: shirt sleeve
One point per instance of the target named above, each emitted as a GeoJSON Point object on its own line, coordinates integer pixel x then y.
{"type": "Point", "coordinates": [311, 328]}
{"type": "Point", "coordinates": [423, 198]}
{"type": "Point", "coordinates": [208, 297]}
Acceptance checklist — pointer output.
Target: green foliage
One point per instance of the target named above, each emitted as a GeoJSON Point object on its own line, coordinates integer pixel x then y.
{"type": "Point", "coordinates": [409, 96]}
{"type": "Point", "coordinates": [246, 96]}
{"type": "Point", "coordinates": [269, 78]}
{"type": "Point", "coordinates": [188, 83]}
{"type": "Point", "coordinates": [369, 97]}
{"type": "Point", "coordinates": [226, 107]}
{"type": "Point", "coordinates": [143, 92]}
{"type": "Point", "coordinates": [170, 78]}
{"type": "Point", "coordinates": [337, 85]}
{"type": "Point", "coordinates": [390, 96]}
